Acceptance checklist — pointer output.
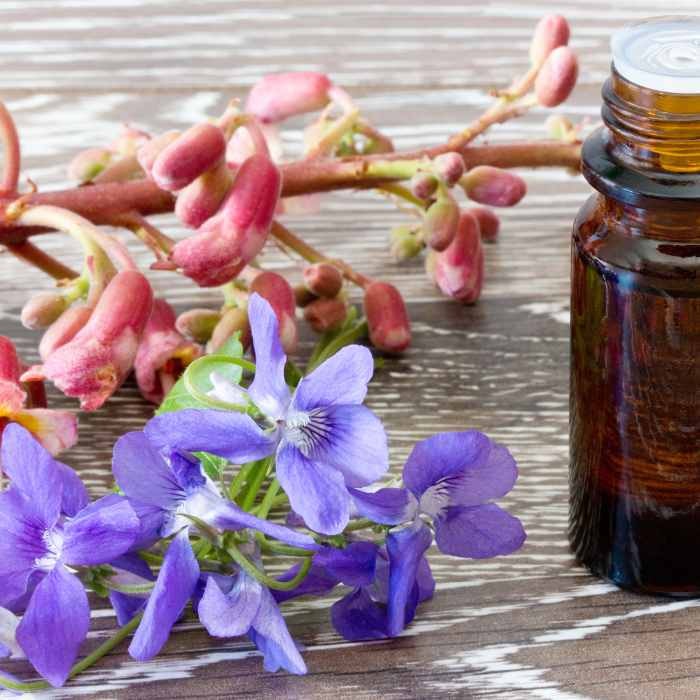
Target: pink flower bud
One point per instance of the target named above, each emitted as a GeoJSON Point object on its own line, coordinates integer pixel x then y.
{"type": "Point", "coordinates": [458, 271]}
{"type": "Point", "coordinates": [423, 185]}
{"type": "Point", "coordinates": [557, 78]}
{"type": "Point", "coordinates": [88, 164]}
{"type": "Point", "coordinates": [387, 318]}
{"type": "Point", "coordinates": [163, 353]}
{"type": "Point", "coordinates": [129, 141]}
{"type": "Point", "coordinates": [230, 239]}
{"type": "Point", "coordinates": [493, 186]}
{"type": "Point", "coordinates": [197, 324]}
{"type": "Point", "coordinates": [149, 151]}
{"type": "Point", "coordinates": [323, 279]}
{"type": "Point", "coordinates": [326, 314]}
{"type": "Point", "coordinates": [43, 309]}
{"type": "Point", "coordinates": [63, 329]}
{"type": "Point", "coordinates": [201, 199]}
{"type": "Point", "coordinates": [449, 167]}
{"type": "Point", "coordinates": [10, 366]}
{"type": "Point", "coordinates": [404, 243]}
{"type": "Point", "coordinates": [234, 320]}
{"type": "Point", "coordinates": [303, 296]}
{"type": "Point", "coordinates": [551, 32]}
{"type": "Point", "coordinates": [94, 363]}
{"type": "Point", "coordinates": [440, 223]}
{"type": "Point", "coordinates": [200, 148]}
{"type": "Point", "coordinates": [280, 294]}
{"type": "Point", "coordinates": [489, 223]}
{"type": "Point", "coordinates": [282, 95]}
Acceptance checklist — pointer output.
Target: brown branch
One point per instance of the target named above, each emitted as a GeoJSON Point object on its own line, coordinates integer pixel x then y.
{"type": "Point", "coordinates": [29, 253]}
{"type": "Point", "coordinates": [102, 204]}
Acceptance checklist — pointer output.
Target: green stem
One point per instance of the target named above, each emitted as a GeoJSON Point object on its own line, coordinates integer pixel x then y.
{"type": "Point", "coordinates": [350, 336]}
{"type": "Point", "coordinates": [239, 480]}
{"type": "Point", "coordinates": [263, 578]}
{"type": "Point", "coordinates": [269, 499]}
{"type": "Point", "coordinates": [359, 524]}
{"type": "Point", "coordinates": [279, 548]}
{"type": "Point", "coordinates": [259, 474]}
{"type": "Point", "coordinates": [104, 648]}
{"type": "Point", "coordinates": [131, 589]}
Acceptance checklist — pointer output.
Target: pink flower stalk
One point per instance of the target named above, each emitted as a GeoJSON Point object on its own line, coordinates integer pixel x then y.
{"type": "Point", "coordinates": [387, 318]}
{"type": "Point", "coordinates": [323, 279]}
{"type": "Point", "coordinates": [233, 320]}
{"type": "Point", "coordinates": [279, 293]}
{"type": "Point", "coordinates": [230, 239]}
{"type": "Point", "coordinates": [201, 199]}
{"type": "Point", "coordinates": [282, 95]}
{"type": "Point", "coordinates": [43, 309]}
{"type": "Point", "coordinates": [56, 430]}
{"type": "Point", "coordinates": [95, 362]}
{"type": "Point", "coordinates": [440, 223]}
{"type": "Point", "coordinates": [88, 164]}
{"type": "Point", "coordinates": [458, 271]}
{"type": "Point", "coordinates": [557, 78]}
{"type": "Point", "coordinates": [64, 329]}
{"type": "Point", "coordinates": [551, 32]}
{"type": "Point", "coordinates": [326, 314]}
{"type": "Point", "coordinates": [163, 353]}
{"type": "Point", "coordinates": [197, 150]}
{"type": "Point", "coordinates": [493, 186]}
{"type": "Point", "coordinates": [489, 223]}
{"type": "Point", "coordinates": [149, 151]}
{"type": "Point", "coordinates": [449, 167]}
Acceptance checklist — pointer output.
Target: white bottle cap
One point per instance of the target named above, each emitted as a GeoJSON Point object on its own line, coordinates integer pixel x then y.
{"type": "Point", "coordinates": [661, 53]}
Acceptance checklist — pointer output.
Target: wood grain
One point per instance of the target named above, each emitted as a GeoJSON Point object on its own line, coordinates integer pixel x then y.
{"type": "Point", "coordinates": [532, 625]}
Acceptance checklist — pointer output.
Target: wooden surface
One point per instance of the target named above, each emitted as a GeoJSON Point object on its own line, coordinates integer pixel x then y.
{"type": "Point", "coordinates": [532, 625]}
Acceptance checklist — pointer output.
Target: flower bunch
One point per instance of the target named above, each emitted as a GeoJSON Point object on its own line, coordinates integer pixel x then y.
{"type": "Point", "coordinates": [231, 185]}
{"type": "Point", "coordinates": [189, 523]}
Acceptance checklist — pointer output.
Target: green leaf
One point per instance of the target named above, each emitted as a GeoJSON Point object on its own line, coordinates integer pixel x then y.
{"type": "Point", "coordinates": [213, 465]}
{"type": "Point", "coordinates": [178, 397]}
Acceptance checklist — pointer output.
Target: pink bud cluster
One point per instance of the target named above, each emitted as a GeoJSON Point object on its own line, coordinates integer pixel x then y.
{"type": "Point", "coordinates": [325, 305]}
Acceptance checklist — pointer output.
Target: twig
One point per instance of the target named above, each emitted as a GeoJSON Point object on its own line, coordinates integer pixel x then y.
{"type": "Point", "coordinates": [29, 253]}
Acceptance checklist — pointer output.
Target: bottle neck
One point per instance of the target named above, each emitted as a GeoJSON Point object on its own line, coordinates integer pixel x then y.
{"type": "Point", "coordinates": [651, 131]}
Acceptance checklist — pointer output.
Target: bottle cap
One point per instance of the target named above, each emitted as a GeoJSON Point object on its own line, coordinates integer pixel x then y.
{"type": "Point", "coordinates": [661, 53]}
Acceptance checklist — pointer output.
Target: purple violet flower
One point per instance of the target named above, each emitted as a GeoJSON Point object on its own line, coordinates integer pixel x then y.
{"type": "Point", "coordinates": [164, 488]}
{"type": "Point", "coordinates": [402, 580]}
{"type": "Point", "coordinates": [324, 440]}
{"type": "Point", "coordinates": [232, 606]}
{"type": "Point", "coordinates": [38, 545]}
{"type": "Point", "coordinates": [450, 478]}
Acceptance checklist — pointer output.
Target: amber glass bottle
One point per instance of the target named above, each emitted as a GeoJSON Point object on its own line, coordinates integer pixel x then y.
{"type": "Point", "coordinates": [635, 320]}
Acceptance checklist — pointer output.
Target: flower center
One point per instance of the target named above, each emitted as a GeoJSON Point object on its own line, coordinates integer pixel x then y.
{"type": "Point", "coordinates": [435, 499]}
{"type": "Point", "coordinates": [53, 541]}
{"type": "Point", "coordinates": [305, 430]}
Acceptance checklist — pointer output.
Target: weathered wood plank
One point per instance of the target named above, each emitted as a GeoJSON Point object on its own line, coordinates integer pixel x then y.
{"type": "Point", "coordinates": [532, 625]}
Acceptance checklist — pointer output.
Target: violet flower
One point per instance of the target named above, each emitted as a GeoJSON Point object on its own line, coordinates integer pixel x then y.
{"type": "Point", "coordinates": [402, 581]}
{"type": "Point", "coordinates": [38, 545]}
{"type": "Point", "coordinates": [324, 440]}
{"type": "Point", "coordinates": [165, 487]}
{"type": "Point", "coordinates": [232, 606]}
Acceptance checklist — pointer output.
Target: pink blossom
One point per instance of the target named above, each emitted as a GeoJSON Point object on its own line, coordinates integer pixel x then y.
{"type": "Point", "coordinates": [387, 318]}
{"type": "Point", "coordinates": [163, 353]}
{"type": "Point", "coordinates": [280, 295]}
{"type": "Point", "coordinates": [230, 239]}
{"type": "Point", "coordinates": [282, 95]}
{"type": "Point", "coordinates": [95, 362]}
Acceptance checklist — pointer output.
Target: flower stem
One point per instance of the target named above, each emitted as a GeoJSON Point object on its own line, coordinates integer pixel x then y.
{"type": "Point", "coordinates": [120, 635]}
{"type": "Point", "coordinates": [130, 589]}
{"type": "Point", "coordinates": [289, 239]}
{"type": "Point", "coordinates": [359, 524]}
{"type": "Point", "coordinates": [29, 253]}
{"type": "Point", "coordinates": [268, 499]}
{"type": "Point", "coordinates": [239, 480]}
{"type": "Point", "coordinates": [259, 472]}
{"type": "Point", "coordinates": [357, 332]}
{"type": "Point", "coordinates": [10, 139]}
{"type": "Point", "coordinates": [252, 570]}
